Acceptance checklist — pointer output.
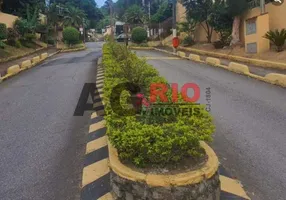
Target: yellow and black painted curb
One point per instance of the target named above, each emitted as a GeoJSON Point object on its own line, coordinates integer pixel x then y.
{"type": "Point", "coordinates": [25, 65]}
{"type": "Point", "coordinates": [73, 50]}
{"type": "Point", "coordinates": [140, 48]}
{"type": "Point", "coordinates": [96, 177]}
{"type": "Point", "coordinates": [96, 171]}
{"type": "Point", "coordinates": [258, 62]}
{"type": "Point", "coordinates": [272, 78]}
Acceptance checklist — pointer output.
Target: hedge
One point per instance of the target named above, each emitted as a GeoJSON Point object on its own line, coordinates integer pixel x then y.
{"type": "Point", "coordinates": [3, 31]}
{"type": "Point", "coordinates": [142, 138]}
{"type": "Point", "coordinates": [139, 35]}
{"type": "Point", "coordinates": [71, 35]}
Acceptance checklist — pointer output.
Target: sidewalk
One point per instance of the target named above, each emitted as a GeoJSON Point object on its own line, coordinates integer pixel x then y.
{"type": "Point", "coordinates": [257, 70]}
{"type": "Point", "coordinates": [4, 66]}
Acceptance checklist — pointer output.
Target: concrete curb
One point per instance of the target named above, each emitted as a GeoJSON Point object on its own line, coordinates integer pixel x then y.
{"type": "Point", "coordinates": [141, 48]}
{"type": "Point", "coordinates": [20, 56]}
{"type": "Point", "coordinates": [96, 172]}
{"type": "Point", "coordinates": [258, 62]}
{"type": "Point", "coordinates": [16, 69]}
{"type": "Point", "coordinates": [191, 177]}
{"type": "Point", "coordinates": [272, 78]}
{"type": "Point", "coordinates": [73, 50]}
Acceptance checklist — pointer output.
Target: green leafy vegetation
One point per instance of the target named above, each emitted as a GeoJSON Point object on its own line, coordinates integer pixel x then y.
{"type": "Point", "coordinates": [277, 38]}
{"type": "Point", "coordinates": [188, 41]}
{"type": "Point", "coordinates": [145, 139]}
{"type": "Point", "coordinates": [71, 35]}
{"type": "Point", "coordinates": [139, 35]}
{"type": "Point", "coordinates": [3, 35]}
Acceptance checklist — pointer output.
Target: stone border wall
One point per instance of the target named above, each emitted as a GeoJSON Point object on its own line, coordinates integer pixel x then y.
{"type": "Point", "coordinates": [200, 184]}
{"type": "Point", "coordinates": [124, 189]}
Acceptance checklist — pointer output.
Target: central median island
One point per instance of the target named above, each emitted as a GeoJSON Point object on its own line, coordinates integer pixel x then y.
{"type": "Point", "coordinates": [155, 156]}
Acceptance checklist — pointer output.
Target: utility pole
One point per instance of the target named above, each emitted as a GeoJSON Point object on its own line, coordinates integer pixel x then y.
{"type": "Point", "coordinates": [111, 20]}
{"type": "Point", "coordinates": [174, 24]}
{"type": "Point", "coordinates": [262, 6]}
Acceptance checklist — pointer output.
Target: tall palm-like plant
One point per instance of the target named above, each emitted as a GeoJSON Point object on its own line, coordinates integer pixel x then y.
{"type": "Point", "coordinates": [135, 15]}
{"type": "Point", "coordinates": [278, 38]}
{"type": "Point", "coordinates": [74, 17]}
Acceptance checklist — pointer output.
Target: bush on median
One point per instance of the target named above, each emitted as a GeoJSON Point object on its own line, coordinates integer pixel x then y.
{"type": "Point", "coordinates": [71, 35]}
{"type": "Point", "coordinates": [138, 35]}
{"type": "Point", "coordinates": [147, 139]}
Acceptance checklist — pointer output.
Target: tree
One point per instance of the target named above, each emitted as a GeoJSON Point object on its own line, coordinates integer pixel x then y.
{"type": "Point", "coordinates": [29, 24]}
{"type": "Point", "coordinates": [221, 21]}
{"type": "Point", "coordinates": [134, 15]}
{"type": "Point", "coordinates": [18, 7]}
{"type": "Point", "coordinates": [163, 13]}
{"type": "Point", "coordinates": [73, 17]}
{"type": "Point", "coordinates": [235, 9]}
{"type": "Point", "coordinates": [199, 11]}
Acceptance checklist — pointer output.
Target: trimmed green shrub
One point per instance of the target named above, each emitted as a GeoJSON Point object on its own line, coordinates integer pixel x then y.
{"type": "Point", "coordinates": [188, 41]}
{"type": "Point", "coordinates": [144, 138]}
{"type": "Point", "coordinates": [71, 35]}
{"type": "Point", "coordinates": [18, 44]}
{"type": "Point", "coordinates": [2, 45]}
{"type": "Point", "coordinates": [3, 31]}
{"type": "Point", "coordinates": [139, 35]}
{"type": "Point", "coordinates": [12, 36]}
{"type": "Point", "coordinates": [29, 37]}
{"type": "Point", "coordinates": [51, 40]}
{"type": "Point", "coordinates": [277, 38]}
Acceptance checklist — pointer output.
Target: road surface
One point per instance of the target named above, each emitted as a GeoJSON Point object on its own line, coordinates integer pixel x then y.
{"type": "Point", "coordinates": [42, 144]}
{"type": "Point", "coordinates": [250, 116]}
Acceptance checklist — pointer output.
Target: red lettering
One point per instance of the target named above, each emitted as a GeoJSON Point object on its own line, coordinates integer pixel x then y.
{"type": "Point", "coordinates": [174, 92]}
{"type": "Point", "coordinates": [154, 92]}
{"type": "Point", "coordinates": [196, 89]}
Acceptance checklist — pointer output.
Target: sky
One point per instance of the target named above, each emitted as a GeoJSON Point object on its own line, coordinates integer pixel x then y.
{"type": "Point", "coordinates": [101, 2]}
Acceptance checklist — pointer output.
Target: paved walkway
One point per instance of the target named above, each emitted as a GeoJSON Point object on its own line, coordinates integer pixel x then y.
{"type": "Point", "coordinates": [258, 70]}
{"type": "Point", "coordinates": [4, 66]}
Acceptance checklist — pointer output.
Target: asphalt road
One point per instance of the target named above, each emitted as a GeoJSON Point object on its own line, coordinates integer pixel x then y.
{"type": "Point", "coordinates": [41, 143]}
{"type": "Point", "coordinates": [250, 116]}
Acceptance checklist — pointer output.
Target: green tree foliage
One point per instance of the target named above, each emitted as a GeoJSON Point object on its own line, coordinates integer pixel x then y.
{"type": "Point", "coordinates": [200, 10]}
{"type": "Point", "coordinates": [73, 17]}
{"type": "Point", "coordinates": [278, 38]}
{"type": "Point", "coordinates": [3, 31]}
{"type": "Point", "coordinates": [88, 6]}
{"type": "Point", "coordinates": [135, 15]}
{"type": "Point", "coordinates": [71, 35]}
{"type": "Point", "coordinates": [138, 35]}
{"type": "Point", "coordinates": [221, 20]}
{"type": "Point", "coordinates": [164, 12]}
{"type": "Point", "coordinates": [28, 24]}
{"type": "Point", "coordinates": [18, 7]}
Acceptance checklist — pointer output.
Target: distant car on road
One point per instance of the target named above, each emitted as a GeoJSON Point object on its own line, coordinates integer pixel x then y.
{"type": "Point", "coordinates": [122, 37]}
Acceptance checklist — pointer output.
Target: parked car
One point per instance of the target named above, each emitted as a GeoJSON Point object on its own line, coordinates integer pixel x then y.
{"type": "Point", "coordinates": [122, 37]}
